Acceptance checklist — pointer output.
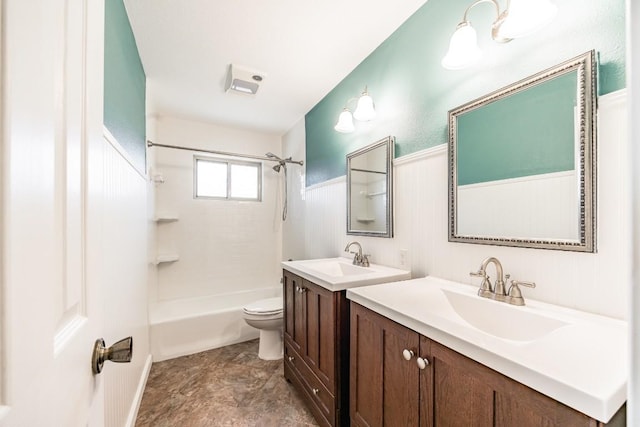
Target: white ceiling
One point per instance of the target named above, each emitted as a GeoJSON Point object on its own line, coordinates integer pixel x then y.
{"type": "Point", "coordinates": [305, 47]}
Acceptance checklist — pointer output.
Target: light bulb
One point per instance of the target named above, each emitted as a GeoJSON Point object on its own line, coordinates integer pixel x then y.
{"type": "Point", "coordinates": [365, 110]}
{"type": "Point", "coordinates": [345, 122]}
{"type": "Point", "coordinates": [463, 48]}
{"type": "Point", "coordinates": [526, 16]}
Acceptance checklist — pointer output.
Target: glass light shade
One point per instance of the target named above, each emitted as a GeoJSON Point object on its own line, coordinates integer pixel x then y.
{"type": "Point", "coordinates": [345, 122]}
{"type": "Point", "coordinates": [527, 16]}
{"type": "Point", "coordinates": [365, 110]}
{"type": "Point", "coordinates": [463, 48]}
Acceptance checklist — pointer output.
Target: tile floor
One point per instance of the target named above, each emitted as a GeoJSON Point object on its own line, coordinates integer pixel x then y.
{"type": "Point", "coordinates": [228, 386]}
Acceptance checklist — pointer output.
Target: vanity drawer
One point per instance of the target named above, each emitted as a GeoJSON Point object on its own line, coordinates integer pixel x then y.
{"type": "Point", "coordinates": [316, 392]}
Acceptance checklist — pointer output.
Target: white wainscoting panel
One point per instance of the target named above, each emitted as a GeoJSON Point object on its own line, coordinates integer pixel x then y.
{"type": "Point", "coordinates": [326, 219]}
{"type": "Point", "coordinates": [125, 266]}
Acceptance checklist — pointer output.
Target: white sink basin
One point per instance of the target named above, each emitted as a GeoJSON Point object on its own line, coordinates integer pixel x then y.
{"type": "Point", "coordinates": [577, 358]}
{"type": "Point", "coordinates": [338, 268]}
{"type": "Point", "coordinates": [500, 319]}
{"type": "Point", "coordinates": [339, 273]}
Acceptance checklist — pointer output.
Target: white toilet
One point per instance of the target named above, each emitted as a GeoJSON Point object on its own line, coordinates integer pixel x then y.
{"type": "Point", "coordinates": [266, 315]}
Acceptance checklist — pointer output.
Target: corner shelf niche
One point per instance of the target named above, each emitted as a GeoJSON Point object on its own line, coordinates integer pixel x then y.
{"type": "Point", "coordinates": [166, 258]}
{"type": "Point", "coordinates": [163, 218]}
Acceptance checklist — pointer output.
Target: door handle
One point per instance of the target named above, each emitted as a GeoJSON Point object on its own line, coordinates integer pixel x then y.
{"type": "Point", "coordinates": [119, 352]}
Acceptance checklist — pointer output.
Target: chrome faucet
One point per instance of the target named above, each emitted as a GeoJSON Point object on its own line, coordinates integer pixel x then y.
{"type": "Point", "coordinates": [358, 258]}
{"type": "Point", "coordinates": [497, 292]}
{"type": "Point", "coordinates": [486, 290]}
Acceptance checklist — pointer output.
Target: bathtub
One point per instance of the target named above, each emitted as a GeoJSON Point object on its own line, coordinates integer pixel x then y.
{"type": "Point", "coordinates": [190, 325]}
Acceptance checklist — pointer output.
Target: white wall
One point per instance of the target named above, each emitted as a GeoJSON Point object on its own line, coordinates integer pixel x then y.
{"type": "Point", "coordinates": [224, 246]}
{"type": "Point", "coordinates": [152, 270]}
{"type": "Point", "coordinates": [633, 83]}
{"type": "Point", "coordinates": [593, 282]}
{"type": "Point", "coordinates": [293, 242]}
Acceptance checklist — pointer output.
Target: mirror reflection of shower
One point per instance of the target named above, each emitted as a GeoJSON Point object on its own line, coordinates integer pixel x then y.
{"type": "Point", "coordinates": [282, 164]}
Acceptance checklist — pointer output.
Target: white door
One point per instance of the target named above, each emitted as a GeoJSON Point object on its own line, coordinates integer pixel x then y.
{"type": "Point", "coordinates": [52, 59]}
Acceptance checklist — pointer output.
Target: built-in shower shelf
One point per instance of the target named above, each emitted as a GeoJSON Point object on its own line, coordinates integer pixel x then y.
{"type": "Point", "coordinates": [164, 217]}
{"type": "Point", "coordinates": [164, 258]}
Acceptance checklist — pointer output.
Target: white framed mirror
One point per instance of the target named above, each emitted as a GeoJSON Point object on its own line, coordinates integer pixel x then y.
{"type": "Point", "coordinates": [370, 189]}
{"type": "Point", "coordinates": [522, 162]}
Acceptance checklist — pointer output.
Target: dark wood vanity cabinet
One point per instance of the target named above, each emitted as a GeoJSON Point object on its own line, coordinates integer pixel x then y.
{"type": "Point", "coordinates": [384, 386]}
{"type": "Point", "coordinates": [452, 390]}
{"type": "Point", "coordinates": [316, 347]}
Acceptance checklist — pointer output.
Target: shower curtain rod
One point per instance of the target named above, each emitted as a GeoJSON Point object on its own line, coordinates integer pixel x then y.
{"type": "Point", "coordinates": [223, 153]}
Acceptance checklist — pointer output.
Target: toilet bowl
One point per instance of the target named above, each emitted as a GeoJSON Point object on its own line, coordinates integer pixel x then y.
{"type": "Point", "coordinates": [266, 315]}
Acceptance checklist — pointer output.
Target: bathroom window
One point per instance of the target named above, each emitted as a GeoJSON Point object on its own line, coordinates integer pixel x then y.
{"type": "Point", "coordinates": [227, 179]}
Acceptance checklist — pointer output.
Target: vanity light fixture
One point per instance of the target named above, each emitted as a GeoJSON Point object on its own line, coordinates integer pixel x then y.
{"type": "Point", "coordinates": [365, 111]}
{"type": "Point", "coordinates": [519, 18]}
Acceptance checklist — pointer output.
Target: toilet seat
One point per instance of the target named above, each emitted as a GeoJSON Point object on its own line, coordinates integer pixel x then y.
{"type": "Point", "coordinates": [269, 307]}
{"type": "Point", "coordinates": [263, 317]}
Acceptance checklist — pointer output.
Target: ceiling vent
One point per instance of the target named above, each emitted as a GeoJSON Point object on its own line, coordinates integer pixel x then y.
{"type": "Point", "coordinates": [243, 80]}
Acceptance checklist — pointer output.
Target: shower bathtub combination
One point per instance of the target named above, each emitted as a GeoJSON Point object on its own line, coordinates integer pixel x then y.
{"type": "Point", "coordinates": [186, 326]}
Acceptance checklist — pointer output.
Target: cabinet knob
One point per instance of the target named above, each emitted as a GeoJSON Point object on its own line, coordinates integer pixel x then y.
{"type": "Point", "coordinates": [422, 362]}
{"type": "Point", "coordinates": [290, 358]}
{"type": "Point", "coordinates": [315, 391]}
{"type": "Point", "coordinates": [407, 354]}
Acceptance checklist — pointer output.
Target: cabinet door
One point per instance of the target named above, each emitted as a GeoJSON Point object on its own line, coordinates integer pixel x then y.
{"type": "Point", "coordinates": [462, 394]}
{"type": "Point", "coordinates": [517, 404]}
{"type": "Point", "coordinates": [320, 318]}
{"type": "Point", "coordinates": [467, 393]}
{"type": "Point", "coordinates": [294, 311]}
{"type": "Point", "coordinates": [383, 385]}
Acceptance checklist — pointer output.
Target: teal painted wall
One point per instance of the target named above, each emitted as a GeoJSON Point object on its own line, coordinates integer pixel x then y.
{"type": "Point", "coordinates": [530, 140]}
{"type": "Point", "coordinates": [124, 84]}
{"type": "Point", "coordinates": [413, 93]}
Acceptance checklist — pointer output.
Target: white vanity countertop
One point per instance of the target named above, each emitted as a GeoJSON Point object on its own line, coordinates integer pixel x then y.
{"type": "Point", "coordinates": [337, 274]}
{"type": "Point", "coordinates": [583, 363]}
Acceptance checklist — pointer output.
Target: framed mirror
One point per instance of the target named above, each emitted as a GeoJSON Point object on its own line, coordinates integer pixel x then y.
{"type": "Point", "coordinates": [522, 162]}
{"type": "Point", "coordinates": [370, 190]}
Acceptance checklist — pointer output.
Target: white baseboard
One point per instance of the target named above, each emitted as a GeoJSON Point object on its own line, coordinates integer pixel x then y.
{"type": "Point", "coordinates": [135, 406]}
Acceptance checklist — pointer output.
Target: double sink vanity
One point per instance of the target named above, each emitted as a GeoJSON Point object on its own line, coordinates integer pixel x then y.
{"type": "Point", "coordinates": [367, 346]}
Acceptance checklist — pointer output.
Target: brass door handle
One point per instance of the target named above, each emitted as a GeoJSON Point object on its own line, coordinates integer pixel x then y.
{"type": "Point", "coordinates": [119, 352]}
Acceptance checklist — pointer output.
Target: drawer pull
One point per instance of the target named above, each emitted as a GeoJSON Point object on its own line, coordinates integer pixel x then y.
{"type": "Point", "coordinates": [422, 362]}
{"type": "Point", "coordinates": [291, 358]}
{"type": "Point", "coordinates": [315, 391]}
{"type": "Point", "coordinates": [407, 354]}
